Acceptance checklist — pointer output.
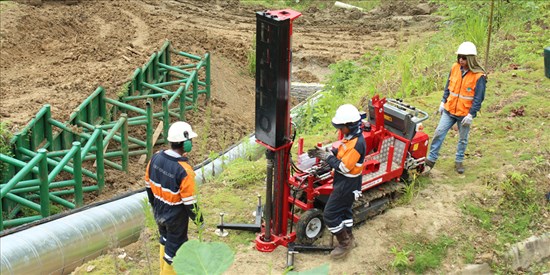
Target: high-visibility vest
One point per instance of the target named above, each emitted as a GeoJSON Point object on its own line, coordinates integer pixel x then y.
{"type": "Point", "coordinates": [462, 91]}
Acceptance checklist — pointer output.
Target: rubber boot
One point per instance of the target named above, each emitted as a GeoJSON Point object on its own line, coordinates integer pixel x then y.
{"type": "Point", "coordinates": [162, 261]}
{"type": "Point", "coordinates": [351, 237]}
{"type": "Point", "coordinates": [343, 247]}
{"type": "Point", "coordinates": [168, 269]}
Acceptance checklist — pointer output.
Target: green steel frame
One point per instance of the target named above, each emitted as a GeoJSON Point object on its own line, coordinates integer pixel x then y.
{"type": "Point", "coordinates": [98, 130]}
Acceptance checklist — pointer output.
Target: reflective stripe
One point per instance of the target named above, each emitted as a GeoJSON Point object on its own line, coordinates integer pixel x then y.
{"type": "Point", "coordinates": [167, 202]}
{"type": "Point", "coordinates": [462, 96]}
{"type": "Point", "coordinates": [348, 174]}
{"type": "Point", "coordinates": [343, 167]}
{"type": "Point", "coordinates": [336, 229]}
{"type": "Point", "coordinates": [164, 189]}
{"type": "Point", "coordinates": [348, 223]}
{"type": "Point", "coordinates": [189, 200]}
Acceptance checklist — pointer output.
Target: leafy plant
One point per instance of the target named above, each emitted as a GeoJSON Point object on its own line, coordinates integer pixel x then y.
{"type": "Point", "coordinates": [401, 258]}
{"type": "Point", "coordinates": [195, 257]}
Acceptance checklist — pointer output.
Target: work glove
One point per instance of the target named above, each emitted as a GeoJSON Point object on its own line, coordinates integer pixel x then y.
{"type": "Point", "coordinates": [357, 194]}
{"type": "Point", "coordinates": [441, 108]}
{"type": "Point", "coordinates": [319, 153]}
{"type": "Point", "coordinates": [467, 120]}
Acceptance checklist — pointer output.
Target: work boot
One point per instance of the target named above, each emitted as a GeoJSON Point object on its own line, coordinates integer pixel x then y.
{"type": "Point", "coordinates": [428, 165]}
{"type": "Point", "coordinates": [459, 167]}
{"type": "Point", "coordinates": [351, 237]}
{"type": "Point", "coordinates": [343, 247]}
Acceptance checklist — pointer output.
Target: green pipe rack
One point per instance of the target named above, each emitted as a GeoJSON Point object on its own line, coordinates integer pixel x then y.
{"type": "Point", "coordinates": [57, 162]}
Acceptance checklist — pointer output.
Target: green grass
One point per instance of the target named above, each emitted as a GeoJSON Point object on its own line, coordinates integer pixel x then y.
{"type": "Point", "coordinates": [420, 255]}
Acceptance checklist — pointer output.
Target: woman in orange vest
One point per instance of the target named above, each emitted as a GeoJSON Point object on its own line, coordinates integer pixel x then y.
{"type": "Point", "coordinates": [462, 98]}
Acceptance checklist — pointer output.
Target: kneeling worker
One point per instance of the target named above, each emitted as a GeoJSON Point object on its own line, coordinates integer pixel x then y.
{"type": "Point", "coordinates": [171, 190]}
{"type": "Point", "coordinates": [348, 167]}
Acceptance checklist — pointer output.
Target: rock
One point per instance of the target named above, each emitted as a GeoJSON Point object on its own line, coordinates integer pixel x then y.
{"type": "Point", "coordinates": [422, 9]}
{"type": "Point", "coordinates": [475, 269]}
{"type": "Point", "coordinates": [90, 268]}
{"type": "Point", "coordinates": [530, 251]}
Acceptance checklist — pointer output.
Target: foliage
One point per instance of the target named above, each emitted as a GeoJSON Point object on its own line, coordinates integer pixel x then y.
{"type": "Point", "coordinates": [251, 58]}
{"type": "Point", "coordinates": [195, 257]}
{"type": "Point", "coordinates": [5, 148]}
{"type": "Point", "coordinates": [401, 258]}
{"type": "Point", "coordinates": [242, 173]}
{"type": "Point", "coordinates": [423, 254]}
{"type": "Point", "coordinates": [514, 212]}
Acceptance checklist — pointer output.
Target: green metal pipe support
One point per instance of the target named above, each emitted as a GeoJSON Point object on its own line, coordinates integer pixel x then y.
{"type": "Point", "coordinates": [36, 187]}
{"type": "Point", "coordinates": [20, 175]}
{"type": "Point", "coordinates": [44, 184]}
{"type": "Point", "coordinates": [23, 201]}
{"type": "Point", "coordinates": [149, 140]}
{"type": "Point", "coordinates": [86, 102]}
{"type": "Point", "coordinates": [20, 221]}
{"type": "Point", "coordinates": [165, 119]}
{"type": "Point", "coordinates": [64, 161]}
{"type": "Point", "coordinates": [23, 184]}
{"type": "Point", "coordinates": [175, 69]}
{"type": "Point", "coordinates": [187, 55]}
{"type": "Point", "coordinates": [138, 97]}
{"type": "Point", "coordinates": [124, 143]}
{"type": "Point", "coordinates": [100, 163]}
{"type": "Point", "coordinates": [155, 88]}
{"type": "Point", "coordinates": [115, 137]}
{"type": "Point", "coordinates": [115, 128]}
{"type": "Point", "coordinates": [48, 127]}
{"type": "Point", "coordinates": [125, 106]}
{"type": "Point", "coordinates": [16, 162]}
{"type": "Point", "coordinates": [61, 201]}
{"type": "Point", "coordinates": [90, 142]}
{"type": "Point", "coordinates": [77, 163]}
{"type": "Point", "coordinates": [42, 112]}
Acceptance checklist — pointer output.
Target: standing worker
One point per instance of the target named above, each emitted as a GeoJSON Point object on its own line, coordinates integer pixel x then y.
{"type": "Point", "coordinates": [171, 191]}
{"type": "Point", "coordinates": [462, 98]}
{"type": "Point", "coordinates": [348, 167]}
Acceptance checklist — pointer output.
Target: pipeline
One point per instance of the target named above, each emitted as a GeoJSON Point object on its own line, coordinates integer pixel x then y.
{"type": "Point", "coordinates": [60, 245]}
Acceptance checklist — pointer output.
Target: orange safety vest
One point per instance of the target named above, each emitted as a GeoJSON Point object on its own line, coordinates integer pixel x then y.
{"type": "Point", "coordinates": [462, 91]}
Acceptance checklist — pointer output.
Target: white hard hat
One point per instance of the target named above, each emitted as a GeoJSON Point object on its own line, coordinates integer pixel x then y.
{"type": "Point", "coordinates": [467, 48]}
{"type": "Point", "coordinates": [180, 131]}
{"type": "Point", "coordinates": [346, 113]}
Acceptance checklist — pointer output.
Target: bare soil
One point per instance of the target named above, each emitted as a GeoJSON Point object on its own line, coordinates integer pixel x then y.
{"type": "Point", "coordinates": [58, 54]}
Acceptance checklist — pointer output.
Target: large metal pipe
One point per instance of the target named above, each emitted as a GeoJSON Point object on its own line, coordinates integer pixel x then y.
{"type": "Point", "coordinates": [63, 244]}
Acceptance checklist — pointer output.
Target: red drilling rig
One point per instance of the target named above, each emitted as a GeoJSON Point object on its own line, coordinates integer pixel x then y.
{"type": "Point", "coordinates": [297, 192]}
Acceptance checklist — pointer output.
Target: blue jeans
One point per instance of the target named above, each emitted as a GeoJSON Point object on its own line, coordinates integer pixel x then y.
{"type": "Point", "coordinates": [445, 123]}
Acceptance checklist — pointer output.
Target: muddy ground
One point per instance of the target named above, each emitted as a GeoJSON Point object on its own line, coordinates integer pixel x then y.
{"type": "Point", "coordinates": [58, 54]}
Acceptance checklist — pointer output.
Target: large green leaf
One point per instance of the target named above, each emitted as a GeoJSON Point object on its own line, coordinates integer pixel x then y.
{"type": "Point", "coordinates": [320, 270]}
{"type": "Point", "coordinates": [196, 257]}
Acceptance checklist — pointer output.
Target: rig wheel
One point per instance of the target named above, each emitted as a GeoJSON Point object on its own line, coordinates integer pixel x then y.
{"type": "Point", "coordinates": [310, 226]}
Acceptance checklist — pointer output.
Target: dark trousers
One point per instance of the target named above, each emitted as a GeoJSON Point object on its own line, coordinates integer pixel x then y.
{"type": "Point", "coordinates": [173, 234]}
{"type": "Point", "coordinates": [338, 212]}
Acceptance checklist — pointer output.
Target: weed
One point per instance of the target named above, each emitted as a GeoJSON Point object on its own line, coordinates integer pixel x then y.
{"type": "Point", "coordinates": [251, 58]}
{"type": "Point", "coordinates": [401, 258]}
{"type": "Point", "coordinates": [428, 254]}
